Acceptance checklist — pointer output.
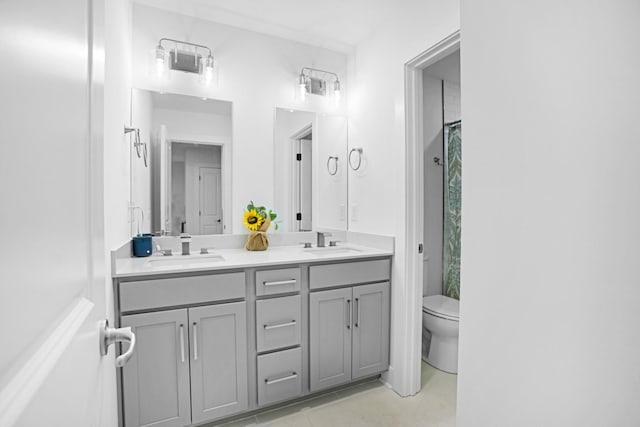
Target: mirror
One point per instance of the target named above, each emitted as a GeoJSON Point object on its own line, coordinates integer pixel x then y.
{"type": "Point", "coordinates": [186, 187]}
{"type": "Point", "coordinates": [310, 170]}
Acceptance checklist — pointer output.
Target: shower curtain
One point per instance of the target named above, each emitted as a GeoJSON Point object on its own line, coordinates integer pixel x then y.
{"type": "Point", "coordinates": [452, 208]}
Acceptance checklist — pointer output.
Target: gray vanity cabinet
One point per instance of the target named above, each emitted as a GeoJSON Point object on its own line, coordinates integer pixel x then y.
{"type": "Point", "coordinates": [155, 381]}
{"type": "Point", "coordinates": [218, 345]}
{"type": "Point", "coordinates": [190, 366]}
{"type": "Point", "coordinates": [348, 326]}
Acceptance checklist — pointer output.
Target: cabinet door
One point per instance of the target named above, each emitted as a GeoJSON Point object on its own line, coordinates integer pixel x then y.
{"type": "Point", "coordinates": [218, 340]}
{"type": "Point", "coordinates": [155, 381]}
{"type": "Point", "coordinates": [330, 338]}
{"type": "Point", "coordinates": [370, 329]}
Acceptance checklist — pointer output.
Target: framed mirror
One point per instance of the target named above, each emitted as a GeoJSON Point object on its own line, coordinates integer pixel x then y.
{"type": "Point", "coordinates": [185, 185]}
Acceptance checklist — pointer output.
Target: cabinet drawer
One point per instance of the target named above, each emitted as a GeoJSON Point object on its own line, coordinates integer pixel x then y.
{"type": "Point", "coordinates": [272, 282]}
{"type": "Point", "coordinates": [349, 273]}
{"type": "Point", "coordinates": [175, 291]}
{"type": "Point", "coordinates": [278, 322]}
{"type": "Point", "coordinates": [279, 376]}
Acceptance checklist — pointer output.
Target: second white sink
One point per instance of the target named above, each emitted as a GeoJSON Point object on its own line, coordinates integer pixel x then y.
{"type": "Point", "coordinates": [332, 250]}
{"type": "Point", "coordinates": [186, 260]}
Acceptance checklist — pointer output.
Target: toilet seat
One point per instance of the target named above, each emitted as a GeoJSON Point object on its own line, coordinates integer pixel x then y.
{"type": "Point", "coordinates": [442, 306]}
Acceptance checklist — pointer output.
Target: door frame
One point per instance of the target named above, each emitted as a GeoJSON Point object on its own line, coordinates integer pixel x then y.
{"type": "Point", "coordinates": [414, 204]}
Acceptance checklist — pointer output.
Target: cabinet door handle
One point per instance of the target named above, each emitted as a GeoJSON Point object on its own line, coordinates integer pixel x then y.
{"type": "Point", "coordinates": [356, 307]}
{"type": "Point", "coordinates": [195, 341]}
{"type": "Point", "coordinates": [280, 282]}
{"type": "Point", "coordinates": [280, 325]}
{"type": "Point", "coordinates": [182, 342]}
{"type": "Point", "coordinates": [279, 380]}
{"type": "Point", "coordinates": [349, 314]}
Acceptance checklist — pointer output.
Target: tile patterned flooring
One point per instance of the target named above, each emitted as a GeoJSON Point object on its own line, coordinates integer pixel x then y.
{"type": "Point", "coordinates": [369, 404]}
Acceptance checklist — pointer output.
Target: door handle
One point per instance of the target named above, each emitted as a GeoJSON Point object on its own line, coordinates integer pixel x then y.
{"type": "Point", "coordinates": [109, 336]}
{"type": "Point", "coordinates": [195, 341]}
{"type": "Point", "coordinates": [349, 314]}
{"type": "Point", "coordinates": [182, 342]}
{"type": "Point", "coordinates": [356, 307]}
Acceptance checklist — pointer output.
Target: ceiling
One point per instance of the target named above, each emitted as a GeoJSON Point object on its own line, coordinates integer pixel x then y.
{"type": "Point", "coordinates": [332, 24]}
{"type": "Point", "coordinates": [190, 103]}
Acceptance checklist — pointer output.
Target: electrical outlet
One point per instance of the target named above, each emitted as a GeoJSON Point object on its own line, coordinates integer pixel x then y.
{"type": "Point", "coordinates": [343, 212]}
{"type": "Point", "coordinates": [354, 212]}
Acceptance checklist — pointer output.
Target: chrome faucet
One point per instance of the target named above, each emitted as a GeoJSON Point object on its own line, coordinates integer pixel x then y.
{"type": "Point", "coordinates": [185, 239]}
{"type": "Point", "coordinates": [321, 236]}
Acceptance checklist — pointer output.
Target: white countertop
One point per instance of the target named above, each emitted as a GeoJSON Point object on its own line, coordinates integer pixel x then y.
{"type": "Point", "coordinates": [224, 259]}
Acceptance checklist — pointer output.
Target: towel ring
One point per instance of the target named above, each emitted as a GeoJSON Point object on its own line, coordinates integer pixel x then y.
{"type": "Point", "coordinates": [335, 165]}
{"type": "Point", "coordinates": [359, 151]}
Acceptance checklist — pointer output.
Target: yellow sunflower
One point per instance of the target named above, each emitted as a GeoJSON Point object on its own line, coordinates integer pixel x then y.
{"type": "Point", "coordinates": [252, 220]}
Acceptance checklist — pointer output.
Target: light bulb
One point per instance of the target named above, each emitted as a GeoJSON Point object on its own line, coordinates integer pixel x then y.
{"type": "Point", "coordinates": [336, 93]}
{"type": "Point", "coordinates": [302, 85]}
{"type": "Point", "coordinates": [206, 70]}
{"type": "Point", "coordinates": [160, 65]}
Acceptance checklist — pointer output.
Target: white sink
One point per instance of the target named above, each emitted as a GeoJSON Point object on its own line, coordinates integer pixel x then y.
{"type": "Point", "coordinates": [332, 250]}
{"type": "Point", "coordinates": [185, 260]}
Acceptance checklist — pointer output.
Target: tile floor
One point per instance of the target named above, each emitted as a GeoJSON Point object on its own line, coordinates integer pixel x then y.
{"type": "Point", "coordinates": [369, 404]}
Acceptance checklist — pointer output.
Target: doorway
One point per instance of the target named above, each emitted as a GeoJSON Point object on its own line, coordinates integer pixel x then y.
{"type": "Point", "coordinates": [302, 178]}
{"type": "Point", "coordinates": [415, 207]}
{"type": "Point", "coordinates": [196, 188]}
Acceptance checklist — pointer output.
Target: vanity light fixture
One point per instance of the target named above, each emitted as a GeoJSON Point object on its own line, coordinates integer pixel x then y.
{"type": "Point", "coordinates": [314, 81]}
{"type": "Point", "coordinates": [183, 56]}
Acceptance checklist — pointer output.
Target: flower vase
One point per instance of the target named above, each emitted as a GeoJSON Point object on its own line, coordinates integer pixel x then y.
{"type": "Point", "coordinates": [258, 240]}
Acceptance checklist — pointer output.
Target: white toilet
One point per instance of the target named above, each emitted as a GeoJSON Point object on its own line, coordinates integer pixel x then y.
{"type": "Point", "coordinates": [440, 317]}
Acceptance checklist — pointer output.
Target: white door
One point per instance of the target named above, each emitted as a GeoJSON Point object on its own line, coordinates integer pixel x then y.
{"type": "Point", "coordinates": [305, 184]}
{"type": "Point", "coordinates": [210, 200]}
{"type": "Point", "coordinates": [52, 292]}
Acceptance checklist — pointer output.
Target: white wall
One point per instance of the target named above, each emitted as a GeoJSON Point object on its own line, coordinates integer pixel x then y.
{"type": "Point", "coordinates": [116, 114]}
{"type": "Point", "coordinates": [256, 73]}
{"type": "Point", "coordinates": [433, 190]}
{"type": "Point", "coordinates": [142, 117]}
{"type": "Point", "coordinates": [377, 124]}
{"type": "Point", "coordinates": [550, 309]}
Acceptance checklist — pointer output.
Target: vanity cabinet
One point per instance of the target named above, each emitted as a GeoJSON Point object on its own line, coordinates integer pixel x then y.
{"type": "Point", "coordinates": [190, 366]}
{"type": "Point", "coordinates": [349, 326]}
{"type": "Point", "coordinates": [219, 343]}
{"type": "Point", "coordinates": [190, 363]}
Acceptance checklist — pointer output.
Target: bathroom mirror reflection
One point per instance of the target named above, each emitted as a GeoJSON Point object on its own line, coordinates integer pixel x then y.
{"type": "Point", "coordinates": [186, 187]}
{"type": "Point", "coordinates": [310, 170]}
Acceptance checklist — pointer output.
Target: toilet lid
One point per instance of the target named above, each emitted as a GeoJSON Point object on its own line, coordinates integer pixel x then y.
{"type": "Point", "coordinates": [442, 306]}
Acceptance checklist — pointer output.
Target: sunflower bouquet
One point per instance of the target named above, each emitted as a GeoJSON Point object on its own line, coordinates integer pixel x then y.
{"type": "Point", "coordinates": [258, 220]}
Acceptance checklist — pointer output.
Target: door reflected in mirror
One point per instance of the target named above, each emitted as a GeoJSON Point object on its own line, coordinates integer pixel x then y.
{"type": "Point", "coordinates": [187, 188]}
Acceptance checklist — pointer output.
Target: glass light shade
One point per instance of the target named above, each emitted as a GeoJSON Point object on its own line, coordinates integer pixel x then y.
{"type": "Point", "coordinates": [302, 87]}
{"type": "Point", "coordinates": [206, 70]}
{"type": "Point", "coordinates": [336, 93]}
{"type": "Point", "coordinates": [159, 63]}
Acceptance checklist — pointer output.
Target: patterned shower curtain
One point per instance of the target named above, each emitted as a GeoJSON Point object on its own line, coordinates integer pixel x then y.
{"type": "Point", "coordinates": [452, 208]}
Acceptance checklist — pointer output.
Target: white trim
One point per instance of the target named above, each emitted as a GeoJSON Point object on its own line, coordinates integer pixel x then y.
{"type": "Point", "coordinates": [21, 389]}
{"type": "Point", "coordinates": [410, 336]}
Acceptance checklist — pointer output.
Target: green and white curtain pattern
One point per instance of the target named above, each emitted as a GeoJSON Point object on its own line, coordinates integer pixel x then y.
{"type": "Point", "coordinates": [452, 208]}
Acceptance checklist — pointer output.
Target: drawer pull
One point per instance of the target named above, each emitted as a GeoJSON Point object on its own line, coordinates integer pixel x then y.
{"type": "Point", "coordinates": [280, 325]}
{"type": "Point", "coordinates": [280, 282]}
{"type": "Point", "coordinates": [279, 380]}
